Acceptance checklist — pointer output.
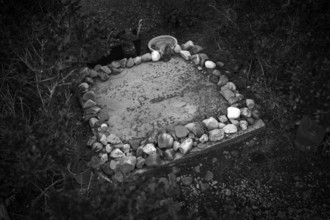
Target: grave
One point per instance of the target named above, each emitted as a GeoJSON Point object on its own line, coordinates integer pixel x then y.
{"type": "Point", "coordinates": [155, 95]}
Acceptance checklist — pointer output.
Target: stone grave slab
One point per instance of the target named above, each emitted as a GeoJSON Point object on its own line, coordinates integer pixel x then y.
{"type": "Point", "coordinates": [154, 95]}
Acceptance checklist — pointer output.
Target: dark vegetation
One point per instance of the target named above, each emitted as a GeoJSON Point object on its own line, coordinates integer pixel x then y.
{"type": "Point", "coordinates": [276, 50]}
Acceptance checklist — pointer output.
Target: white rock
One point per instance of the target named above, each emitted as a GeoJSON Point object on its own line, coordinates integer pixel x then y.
{"type": "Point", "coordinates": [233, 112]}
{"type": "Point", "coordinates": [211, 123]}
{"type": "Point", "coordinates": [246, 112]}
{"type": "Point", "coordinates": [230, 129]}
{"type": "Point", "coordinates": [223, 118]}
{"type": "Point", "coordinates": [113, 164]}
{"type": "Point", "coordinates": [221, 125]}
{"type": "Point", "coordinates": [127, 164]}
{"type": "Point", "coordinates": [195, 58]}
{"type": "Point", "coordinates": [243, 124]}
{"type": "Point", "coordinates": [113, 139]}
{"type": "Point", "coordinates": [186, 146]}
{"type": "Point", "coordinates": [155, 56]}
{"type": "Point", "coordinates": [97, 146]}
{"type": "Point", "coordinates": [104, 127]}
{"type": "Point", "coordinates": [177, 48]}
{"type": "Point", "coordinates": [204, 138]}
{"type": "Point", "coordinates": [83, 86]}
{"type": "Point", "coordinates": [216, 135]}
{"type": "Point", "coordinates": [188, 45]}
{"type": "Point", "coordinates": [227, 93]}
{"type": "Point", "coordinates": [250, 103]}
{"type": "Point", "coordinates": [149, 148]}
{"type": "Point", "coordinates": [176, 145]}
{"type": "Point", "coordinates": [108, 148]}
{"type": "Point", "coordinates": [210, 64]}
{"type": "Point", "coordinates": [185, 54]}
{"type": "Point", "coordinates": [116, 153]}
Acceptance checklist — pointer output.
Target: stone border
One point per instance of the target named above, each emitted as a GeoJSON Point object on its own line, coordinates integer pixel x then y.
{"type": "Point", "coordinates": [116, 159]}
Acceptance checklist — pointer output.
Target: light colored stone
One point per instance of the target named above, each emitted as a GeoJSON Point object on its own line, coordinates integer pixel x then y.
{"type": "Point", "coordinates": [169, 154]}
{"type": "Point", "coordinates": [146, 57]}
{"type": "Point", "coordinates": [89, 103]}
{"type": "Point", "coordinates": [83, 86]}
{"type": "Point", "coordinates": [88, 95]}
{"type": "Point", "coordinates": [149, 148]}
{"type": "Point", "coordinates": [116, 71]}
{"type": "Point", "coordinates": [115, 64]}
{"type": "Point", "coordinates": [103, 139]}
{"type": "Point", "coordinates": [126, 148]}
{"type": "Point", "coordinates": [113, 139]}
{"type": "Point", "coordinates": [231, 86]}
{"type": "Point", "coordinates": [195, 58]}
{"type": "Point", "coordinates": [137, 60]}
{"type": "Point", "coordinates": [153, 160]}
{"type": "Point", "coordinates": [108, 148]}
{"type": "Point", "coordinates": [233, 112]}
{"type": "Point", "coordinates": [92, 122]}
{"type": "Point", "coordinates": [127, 164]}
{"type": "Point", "coordinates": [176, 145]}
{"type": "Point", "coordinates": [165, 140]}
{"type": "Point", "coordinates": [155, 56]}
{"type": "Point", "coordinates": [104, 157]}
{"type": "Point", "coordinates": [223, 80]}
{"type": "Point", "coordinates": [246, 112]}
{"type": "Point", "coordinates": [250, 103]}
{"type": "Point", "coordinates": [104, 76]}
{"type": "Point", "coordinates": [227, 94]}
{"type": "Point", "coordinates": [177, 48]}
{"type": "Point", "coordinates": [178, 155]}
{"type": "Point", "coordinates": [223, 118]}
{"type": "Point", "coordinates": [221, 125]}
{"type": "Point", "coordinates": [188, 45]}
{"type": "Point", "coordinates": [97, 146]}
{"type": "Point", "coordinates": [105, 69]}
{"type": "Point", "coordinates": [123, 62]}
{"type": "Point", "coordinates": [103, 127]}
{"type": "Point", "coordinates": [216, 135]}
{"type": "Point", "coordinates": [186, 146]}
{"type": "Point", "coordinates": [116, 153]}
{"type": "Point", "coordinates": [130, 62]}
{"type": "Point", "coordinates": [210, 64]}
{"type": "Point", "coordinates": [204, 138]}
{"type": "Point", "coordinates": [243, 124]}
{"type": "Point", "coordinates": [140, 161]}
{"type": "Point", "coordinates": [181, 131]}
{"type": "Point", "coordinates": [93, 73]}
{"type": "Point", "coordinates": [211, 123]}
{"type": "Point", "coordinates": [232, 100]}
{"type": "Point", "coordinates": [185, 54]}
{"type": "Point", "coordinates": [230, 129]}
{"type": "Point", "coordinates": [113, 164]}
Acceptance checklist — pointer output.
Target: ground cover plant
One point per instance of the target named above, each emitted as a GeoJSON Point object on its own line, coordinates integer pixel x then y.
{"type": "Point", "coordinates": [276, 51]}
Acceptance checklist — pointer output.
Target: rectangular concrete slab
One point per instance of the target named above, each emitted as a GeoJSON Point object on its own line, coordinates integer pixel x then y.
{"type": "Point", "coordinates": [154, 95]}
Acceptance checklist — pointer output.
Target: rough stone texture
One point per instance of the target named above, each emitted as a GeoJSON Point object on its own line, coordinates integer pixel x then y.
{"type": "Point", "coordinates": [197, 128]}
{"type": "Point", "coordinates": [230, 129]}
{"type": "Point", "coordinates": [216, 135]}
{"type": "Point", "coordinates": [153, 95]}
